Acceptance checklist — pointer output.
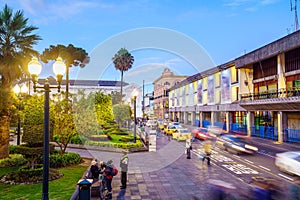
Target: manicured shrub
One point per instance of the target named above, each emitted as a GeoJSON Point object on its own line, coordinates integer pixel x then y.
{"type": "Point", "coordinates": [27, 175]}
{"type": "Point", "coordinates": [77, 139]}
{"type": "Point", "coordinates": [13, 160]}
{"type": "Point", "coordinates": [63, 160]}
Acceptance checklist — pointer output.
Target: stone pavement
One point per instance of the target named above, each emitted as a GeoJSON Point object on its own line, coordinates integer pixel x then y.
{"type": "Point", "coordinates": [166, 174]}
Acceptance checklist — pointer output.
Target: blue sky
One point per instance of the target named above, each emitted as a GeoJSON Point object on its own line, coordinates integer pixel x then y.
{"type": "Point", "coordinates": [225, 29]}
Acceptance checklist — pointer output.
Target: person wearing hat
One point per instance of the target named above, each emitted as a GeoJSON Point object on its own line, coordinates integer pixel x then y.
{"type": "Point", "coordinates": [124, 168]}
{"type": "Point", "coordinates": [94, 171]}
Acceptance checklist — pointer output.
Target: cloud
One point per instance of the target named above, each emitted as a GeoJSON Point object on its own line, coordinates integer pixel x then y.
{"type": "Point", "coordinates": [249, 5]}
{"type": "Point", "coordinates": [60, 9]}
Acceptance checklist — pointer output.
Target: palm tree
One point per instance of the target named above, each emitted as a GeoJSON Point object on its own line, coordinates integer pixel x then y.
{"type": "Point", "coordinates": [123, 61]}
{"type": "Point", "coordinates": [16, 41]}
{"type": "Point", "coordinates": [73, 56]}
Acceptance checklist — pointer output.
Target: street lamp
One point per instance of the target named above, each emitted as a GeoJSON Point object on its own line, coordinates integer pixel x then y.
{"type": "Point", "coordinates": [135, 93]}
{"type": "Point", "coordinates": [35, 69]}
{"type": "Point", "coordinates": [19, 90]}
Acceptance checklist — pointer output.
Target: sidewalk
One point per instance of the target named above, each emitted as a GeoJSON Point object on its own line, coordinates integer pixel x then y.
{"type": "Point", "coordinates": [166, 174]}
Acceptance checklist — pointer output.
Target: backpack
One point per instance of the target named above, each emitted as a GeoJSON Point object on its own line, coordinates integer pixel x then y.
{"type": "Point", "coordinates": [112, 170]}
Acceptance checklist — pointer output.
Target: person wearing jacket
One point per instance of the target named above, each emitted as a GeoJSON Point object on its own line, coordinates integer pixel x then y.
{"type": "Point", "coordinates": [124, 168]}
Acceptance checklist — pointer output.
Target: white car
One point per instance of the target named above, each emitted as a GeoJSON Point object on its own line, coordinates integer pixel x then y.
{"type": "Point", "coordinates": [289, 162]}
{"type": "Point", "coordinates": [151, 123]}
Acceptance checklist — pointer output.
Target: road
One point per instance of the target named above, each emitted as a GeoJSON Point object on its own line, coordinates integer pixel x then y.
{"type": "Point", "coordinates": [245, 167]}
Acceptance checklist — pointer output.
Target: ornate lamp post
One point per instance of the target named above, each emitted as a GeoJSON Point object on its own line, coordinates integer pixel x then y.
{"type": "Point", "coordinates": [19, 90]}
{"type": "Point", "coordinates": [135, 94]}
{"type": "Point", "coordinates": [35, 69]}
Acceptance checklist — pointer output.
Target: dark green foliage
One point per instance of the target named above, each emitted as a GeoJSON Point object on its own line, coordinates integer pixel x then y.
{"type": "Point", "coordinates": [28, 175]}
{"type": "Point", "coordinates": [12, 149]}
{"type": "Point", "coordinates": [13, 160]}
{"type": "Point", "coordinates": [117, 131]}
{"type": "Point", "coordinates": [77, 139]}
{"type": "Point", "coordinates": [126, 139]}
{"type": "Point", "coordinates": [34, 121]}
{"type": "Point", "coordinates": [63, 160]}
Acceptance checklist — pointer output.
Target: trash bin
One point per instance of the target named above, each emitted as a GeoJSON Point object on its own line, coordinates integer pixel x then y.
{"type": "Point", "coordinates": [85, 189]}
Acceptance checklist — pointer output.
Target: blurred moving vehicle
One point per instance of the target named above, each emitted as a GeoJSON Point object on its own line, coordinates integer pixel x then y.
{"type": "Point", "coordinates": [215, 130]}
{"type": "Point", "coordinates": [203, 134]}
{"type": "Point", "coordinates": [289, 162]}
{"type": "Point", "coordinates": [182, 134]}
{"type": "Point", "coordinates": [236, 144]}
{"type": "Point", "coordinates": [169, 130]}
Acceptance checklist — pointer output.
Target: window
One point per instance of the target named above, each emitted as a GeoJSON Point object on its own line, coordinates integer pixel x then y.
{"type": "Point", "coordinates": [166, 83]}
{"type": "Point", "coordinates": [234, 75]}
{"type": "Point", "coordinates": [292, 60]}
{"type": "Point", "coordinates": [265, 68]}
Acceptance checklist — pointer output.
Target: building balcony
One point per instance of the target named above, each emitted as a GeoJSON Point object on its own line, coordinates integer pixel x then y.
{"type": "Point", "coordinates": [274, 100]}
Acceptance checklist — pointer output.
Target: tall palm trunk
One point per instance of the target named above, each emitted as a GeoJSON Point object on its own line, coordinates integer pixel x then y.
{"type": "Point", "coordinates": [121, 84]}
{"type": "Point", "coordinates": [4, 136]}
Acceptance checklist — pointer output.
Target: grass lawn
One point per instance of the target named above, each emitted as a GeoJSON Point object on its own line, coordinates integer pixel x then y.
{"type": "Point", "coordinates": [60, 189]}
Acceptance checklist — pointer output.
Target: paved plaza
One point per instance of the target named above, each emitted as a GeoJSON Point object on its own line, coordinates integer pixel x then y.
{"type": "Point", "coordinates": [167, 174]}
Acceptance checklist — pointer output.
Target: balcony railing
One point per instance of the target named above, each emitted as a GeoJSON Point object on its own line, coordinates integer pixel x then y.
{"type": "Point", "coordinates": [281, 93]}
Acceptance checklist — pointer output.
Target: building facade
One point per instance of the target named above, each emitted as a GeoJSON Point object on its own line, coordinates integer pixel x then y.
{"type": "Point", "coordinates": [161, 86]}
{"type": "Point", "coordinates": [257, 94]}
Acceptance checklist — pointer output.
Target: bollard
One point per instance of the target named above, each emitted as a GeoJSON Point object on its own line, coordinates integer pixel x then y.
{"type": "Point", "coordinates": [85, 189]}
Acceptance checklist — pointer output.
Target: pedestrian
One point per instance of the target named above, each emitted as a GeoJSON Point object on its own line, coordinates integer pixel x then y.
{"type": "Point", "coordinates": [94, 171]}
{"type": "Point", "coordinates": [188, 147]}
{"type": "Point", "coordinates": [207, 151]}
{"type": "Point", "coordinates": [124, 168]}
{"type": "Point", "coordinates": [107, 180]}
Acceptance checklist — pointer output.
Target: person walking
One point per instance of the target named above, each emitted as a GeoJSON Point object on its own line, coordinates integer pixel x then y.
{"type": "Point", "coordinates": [207, 151]}
{"type": "Point", "coordinates": [124, 168]}
{"type": "Point", "coordinates": [188, 147]}
{"type": "Point", "coordinates": [107, 180]}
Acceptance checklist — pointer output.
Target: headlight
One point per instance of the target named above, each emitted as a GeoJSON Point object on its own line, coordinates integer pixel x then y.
{"type": "Point", "coordinates": [238, 147]}
{"type": "Point", "coordinates": [251, 147]}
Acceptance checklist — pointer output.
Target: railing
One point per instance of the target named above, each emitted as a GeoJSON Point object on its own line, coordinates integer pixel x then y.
{"type": "Point", "coordinates": [291, 135]}
{"type": "Point", "coordinates": [205, 123]}
{"type": "Point", "coordinates": [239, 128]}
{"type": "Point", "coordinates": [265, 132]}
{"type": "Point", "coordinates": [221, 125]}
{"type": "Point", "coordinates": [280, 93]}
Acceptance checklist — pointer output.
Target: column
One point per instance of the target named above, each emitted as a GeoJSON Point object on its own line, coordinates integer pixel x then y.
{"type": "Point", "coordinates": [280, 71]}
{"type": "Point", "coordinates": [212, 118]}
{"type": "Point", "coordinates": [250, 123]}
{"type": "Point", "coordinates": [185, 117]}
{"type": "Point", "coordinates": [227, 122]}
{"type": "Point", "coordinates": [201, 118]}
{"type": "Point", "coordinates": [280, 131]}
{"type": "Point", "coordinates": [193, 118]}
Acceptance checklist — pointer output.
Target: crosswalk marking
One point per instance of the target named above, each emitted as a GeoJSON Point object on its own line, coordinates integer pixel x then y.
{"type": "Point", "coordinates": [229, 163]}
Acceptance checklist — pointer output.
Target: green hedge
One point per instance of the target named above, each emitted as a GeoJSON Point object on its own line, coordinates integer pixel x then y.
{"type": "Point", "coordinates": [64, 160]}
{"type": "Point", "coordinates": [13, 160]}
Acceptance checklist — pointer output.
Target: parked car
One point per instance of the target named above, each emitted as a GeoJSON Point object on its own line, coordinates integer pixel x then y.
{"type": "Point", "coordinates": [182, 134]}
{"type": "Point", "coordinates": [151, 123]}
{"type": "Point", "coordinates": [289, 162]}
{"type": "Point", "coordinates": [236, 144]}
{"type": "Point", "coordinates": [202, 134]}
{"type": "Point", "coordinates": [176, 124]}
{"type": "Point", "coordinates": [169, 130]}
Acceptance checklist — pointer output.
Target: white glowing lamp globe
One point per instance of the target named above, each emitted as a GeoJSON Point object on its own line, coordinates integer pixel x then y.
{"type": "Point", "coordinates": [34, 66]}
{"type": "Point", "coordinates": [24, 89]}
{"type": "Point", "coordinates": [17, 89]}
{"type": "Point", "coordinates": [59, 67]}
